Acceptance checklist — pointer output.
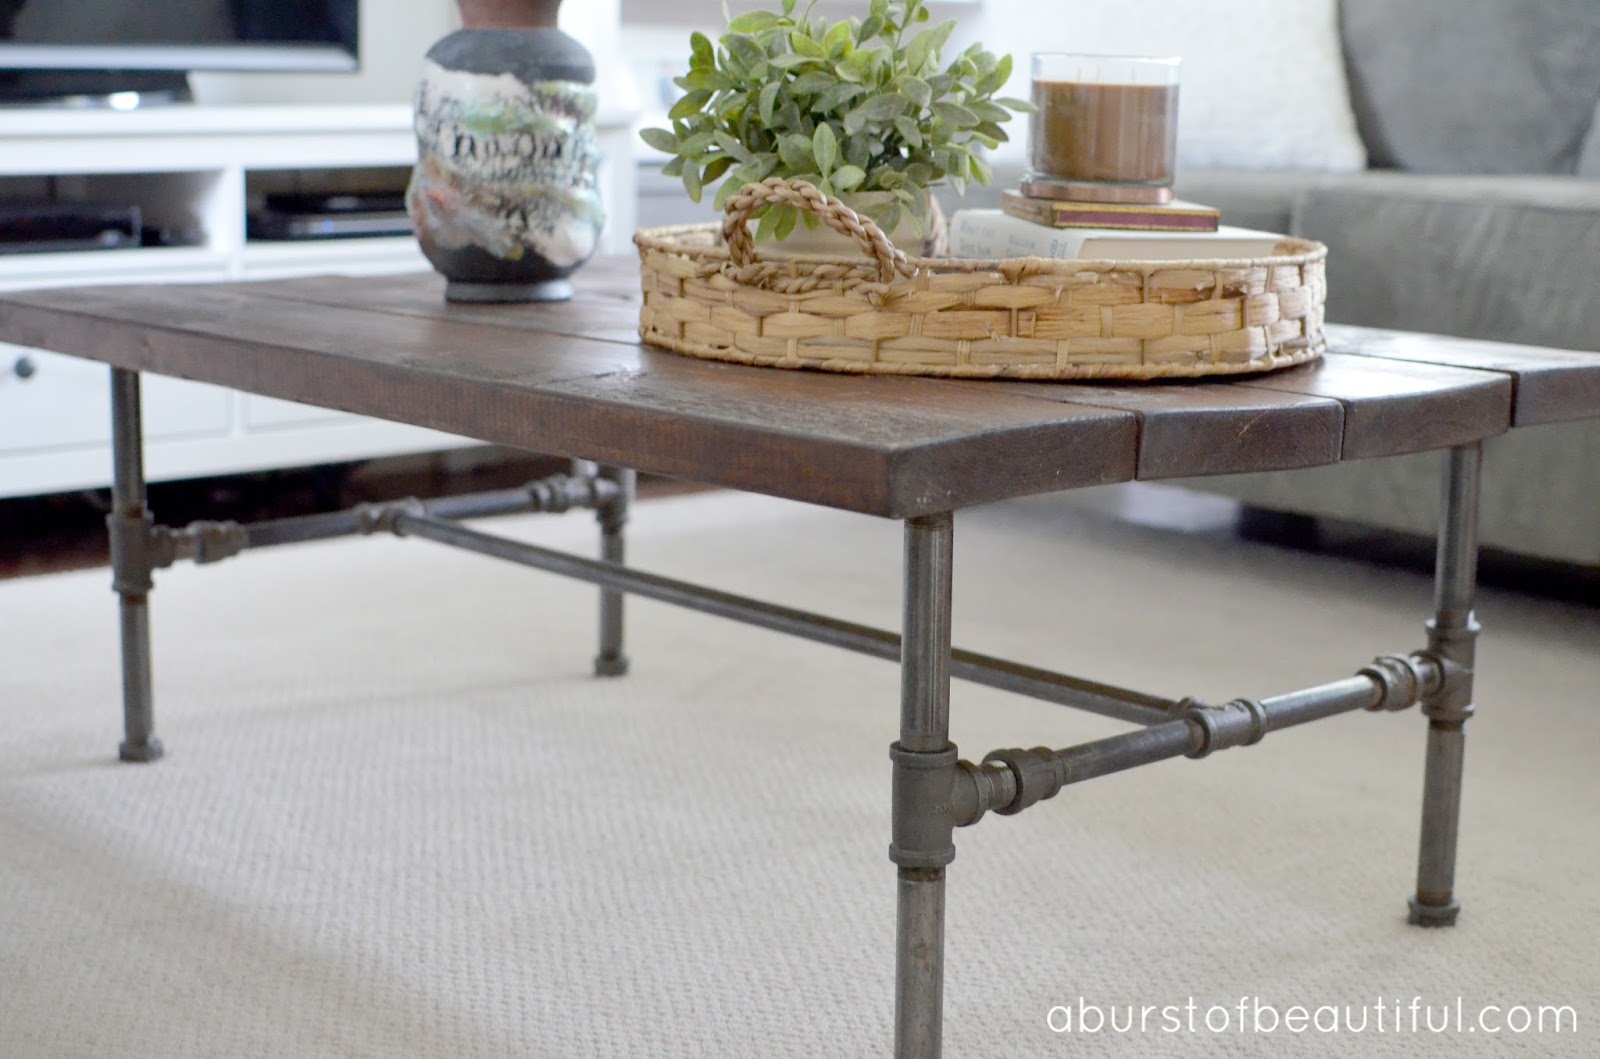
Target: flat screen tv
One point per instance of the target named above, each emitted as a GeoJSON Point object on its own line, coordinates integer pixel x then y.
{"type": "Point", "coordinates": [57, 51]}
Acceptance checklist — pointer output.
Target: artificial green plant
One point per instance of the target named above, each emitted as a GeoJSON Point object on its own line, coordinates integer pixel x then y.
{"type": "Point", "coordinates": [852, 106]}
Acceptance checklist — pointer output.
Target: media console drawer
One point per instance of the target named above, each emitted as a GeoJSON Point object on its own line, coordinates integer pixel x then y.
{"type": "Point", "coordinates": [48, 401]}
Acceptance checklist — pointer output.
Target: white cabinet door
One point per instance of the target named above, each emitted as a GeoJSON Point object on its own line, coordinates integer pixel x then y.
{"type": "Point", "coordinates": [54, 402]}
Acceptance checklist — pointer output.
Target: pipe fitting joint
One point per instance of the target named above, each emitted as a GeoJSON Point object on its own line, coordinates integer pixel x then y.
{"type": "Point", "coordinates": [204, 541]}
{"type": "Point", "coordinates": [1450, 703]}
{"type": "Point", "coordinates": [134, 553]}
{"type": "Point", "coordinates": [979, 788]}
{"type": "Point", "coordinates": [925, 817]}
{"type": "Point", "coordinates": [1403, 682]}
{"type": "Point", "coordinates": [1241, 722]}
{"type": "Point", "coordinates": [1035, 776]}
{"type": "Point", "coordinates": [385, 517]}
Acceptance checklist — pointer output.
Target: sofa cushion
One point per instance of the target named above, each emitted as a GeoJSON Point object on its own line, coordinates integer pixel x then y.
{"type": "Point", "coordinates": [1473, 86]}
{"type": "Point", "coordinates": [1589, 157]}
{"type": "Point", "coordinates": [1508, 258]}
{"type": "Point", "coordinates": [1262, 84]}
{"type": "Point", "coordinates": [1248, 199]}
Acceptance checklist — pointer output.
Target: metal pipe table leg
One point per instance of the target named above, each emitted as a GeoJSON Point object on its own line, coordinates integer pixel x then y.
{"type": "Point", "coordinates": [1451, 636]}
{"type": "Point", "coordinates": [922, 845]}
{"type": "Point", "coordinates": [130, 526]}
{"type": "Point", "coordinates": [613, 516]}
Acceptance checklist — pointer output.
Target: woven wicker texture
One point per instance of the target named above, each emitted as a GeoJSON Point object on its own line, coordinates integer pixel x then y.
{"type": "Point", "coordinates": [708, 293]}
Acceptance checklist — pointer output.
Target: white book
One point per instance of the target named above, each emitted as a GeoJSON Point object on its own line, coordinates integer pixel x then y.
{"type": "Point", "coordinates": [993, 235]}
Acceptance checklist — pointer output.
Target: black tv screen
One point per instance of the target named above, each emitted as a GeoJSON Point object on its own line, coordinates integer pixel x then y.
{"type": "Point", "coordinates": [43, 42]}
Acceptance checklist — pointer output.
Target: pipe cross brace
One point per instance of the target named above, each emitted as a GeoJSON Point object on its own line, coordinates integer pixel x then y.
{"type": "Point", "coordinates": [1196, 730]}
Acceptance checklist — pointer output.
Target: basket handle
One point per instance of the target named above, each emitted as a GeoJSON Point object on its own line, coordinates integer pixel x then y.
{"type": "Point", "coordinates": [829, 210]}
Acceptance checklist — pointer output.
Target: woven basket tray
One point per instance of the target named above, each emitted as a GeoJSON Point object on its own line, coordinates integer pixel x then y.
{"type": "Point", "coordinates": [708, 294]}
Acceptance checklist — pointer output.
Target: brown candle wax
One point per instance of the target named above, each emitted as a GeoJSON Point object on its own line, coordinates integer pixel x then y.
{"type": "Point", "coordinates": [1104, 132]}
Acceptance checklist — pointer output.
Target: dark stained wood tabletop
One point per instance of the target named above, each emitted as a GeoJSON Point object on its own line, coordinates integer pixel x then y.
{"type": "Point", "coordinates": [572, 379]}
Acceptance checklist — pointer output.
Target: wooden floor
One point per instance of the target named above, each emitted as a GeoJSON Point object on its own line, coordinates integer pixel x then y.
{"type": "Point", "coordinates": [40, 535]}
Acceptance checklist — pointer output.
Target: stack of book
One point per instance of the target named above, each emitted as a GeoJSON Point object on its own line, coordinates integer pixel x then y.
{"type": "Point", "coordinates": [1056, 228]}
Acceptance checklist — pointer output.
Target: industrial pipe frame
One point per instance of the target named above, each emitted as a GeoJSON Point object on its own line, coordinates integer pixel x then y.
{"type": "Point", "coordinates": [934, 790]}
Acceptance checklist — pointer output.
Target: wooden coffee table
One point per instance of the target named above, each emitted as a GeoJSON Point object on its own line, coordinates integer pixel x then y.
{"type": "Point", "coordinates": [571, 379]}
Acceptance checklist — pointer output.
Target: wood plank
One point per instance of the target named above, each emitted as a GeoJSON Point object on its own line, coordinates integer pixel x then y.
{"type": "Point", "coordinates": [605, 303]}
{"type": "Point", "coordinates": [937, 445]}
{"type": "Point", "coordinates": [1393, 407]}
{"type": "Point", "coordinates": [1550, 385]}
{"type": "Point", "coordinates": [880, 445]}
{"type": "Point", "coordinates": [255, 333]}
{"type": "Point", "coordinates": [1190, 428]}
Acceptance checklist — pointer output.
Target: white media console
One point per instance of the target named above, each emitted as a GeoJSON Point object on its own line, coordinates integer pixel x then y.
{"type": "Point", "coordinates": [195, 169]}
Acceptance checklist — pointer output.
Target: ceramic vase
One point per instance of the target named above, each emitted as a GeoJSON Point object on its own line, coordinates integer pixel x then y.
{"type": "Point", "coordinates": [505, 196]}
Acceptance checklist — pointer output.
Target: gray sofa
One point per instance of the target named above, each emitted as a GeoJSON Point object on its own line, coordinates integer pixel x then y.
{"type": "Point", "coordinates": [1479, 217]}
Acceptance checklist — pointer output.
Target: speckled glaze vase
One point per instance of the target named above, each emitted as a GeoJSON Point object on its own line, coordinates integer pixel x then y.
{"type": "Point", "coordinates": [505, 196]}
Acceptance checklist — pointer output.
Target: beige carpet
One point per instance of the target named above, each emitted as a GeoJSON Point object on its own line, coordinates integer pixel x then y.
{"type": "Point", "coordinates": [398, 818]}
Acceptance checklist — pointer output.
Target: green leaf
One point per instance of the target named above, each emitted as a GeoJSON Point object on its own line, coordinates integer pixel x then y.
{"type": "Point", "coordinates": [753, 22]}
{"type": "Point", "coordinates": [870, 28]}
{"type": "Point", "coordinates": [848, 177]}
{"type": "Point", "coordinates": [788, 217]}
{"type": "Point", "coordinates": [990, 131]}
{"type": "Point", "coordinates": [857, 66]}
{"type": "Point", "coordinates": [793, 59]}
{"type": "Point", "coordinates": [789, 116]}
{"type": "Point", "coordinates": [768, 100]}
{"type": "Point", "coordinates": [809, 84]}
{"type": "Point", "coordinates": [733, 147]}
{"type": "Point", "coordinates": [925, 47]}
{"type": "Point", "coordinates": [882, 108]}
{"type": "Point", "coordinates": [689, 104]}
{"type": "Point", "coordinates": [914, 89]}
{"type": "Point", "coordinates": [825, 146]}
{"type": "Point", "coordinates": [674, 167]}
{"type": "Point", "coordinates": [759, 170]}
{"type": "Point", "coordinates": [796, 152]}
{"type": "Point", "coordinates": [996, 79]}
{"type": "Point", "coordinates": [707, 80]}
{"type": "Point", "coordinates": [908, 130]}
{"type": "Point", "coordinates": [804, 45]}
{"type": "Point", "coordinates": [839, 37]}
{"type": "Point", "coordinates": [696, 145]}
{"type": "Point", "coordinates": [887, 178]}
{"type": "Point", "coordinates": [660, 139]}
{"type": "Point", "coordinates": [744, 49]}
{"type": "Point", "coordinates": [836, 97]}
{"type": "Point", "coordinates": [767, 228]}
{"type": "Point", "coordinates": [957, 115]}
{"type": "Point", "coordinates": [691, 181]}
{"type": "Point", "coordinates": [920, 53]}
{"type": "Point", "coordinates": [855, 151]}
{"type": "Point", "coordinates": [701, 56]}
{"type": "Point", "coordinates": [987, 111]}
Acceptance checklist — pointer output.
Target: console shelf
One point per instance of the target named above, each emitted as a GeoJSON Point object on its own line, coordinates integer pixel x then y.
{"type": "Point", "coordinates": [193, 170]}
